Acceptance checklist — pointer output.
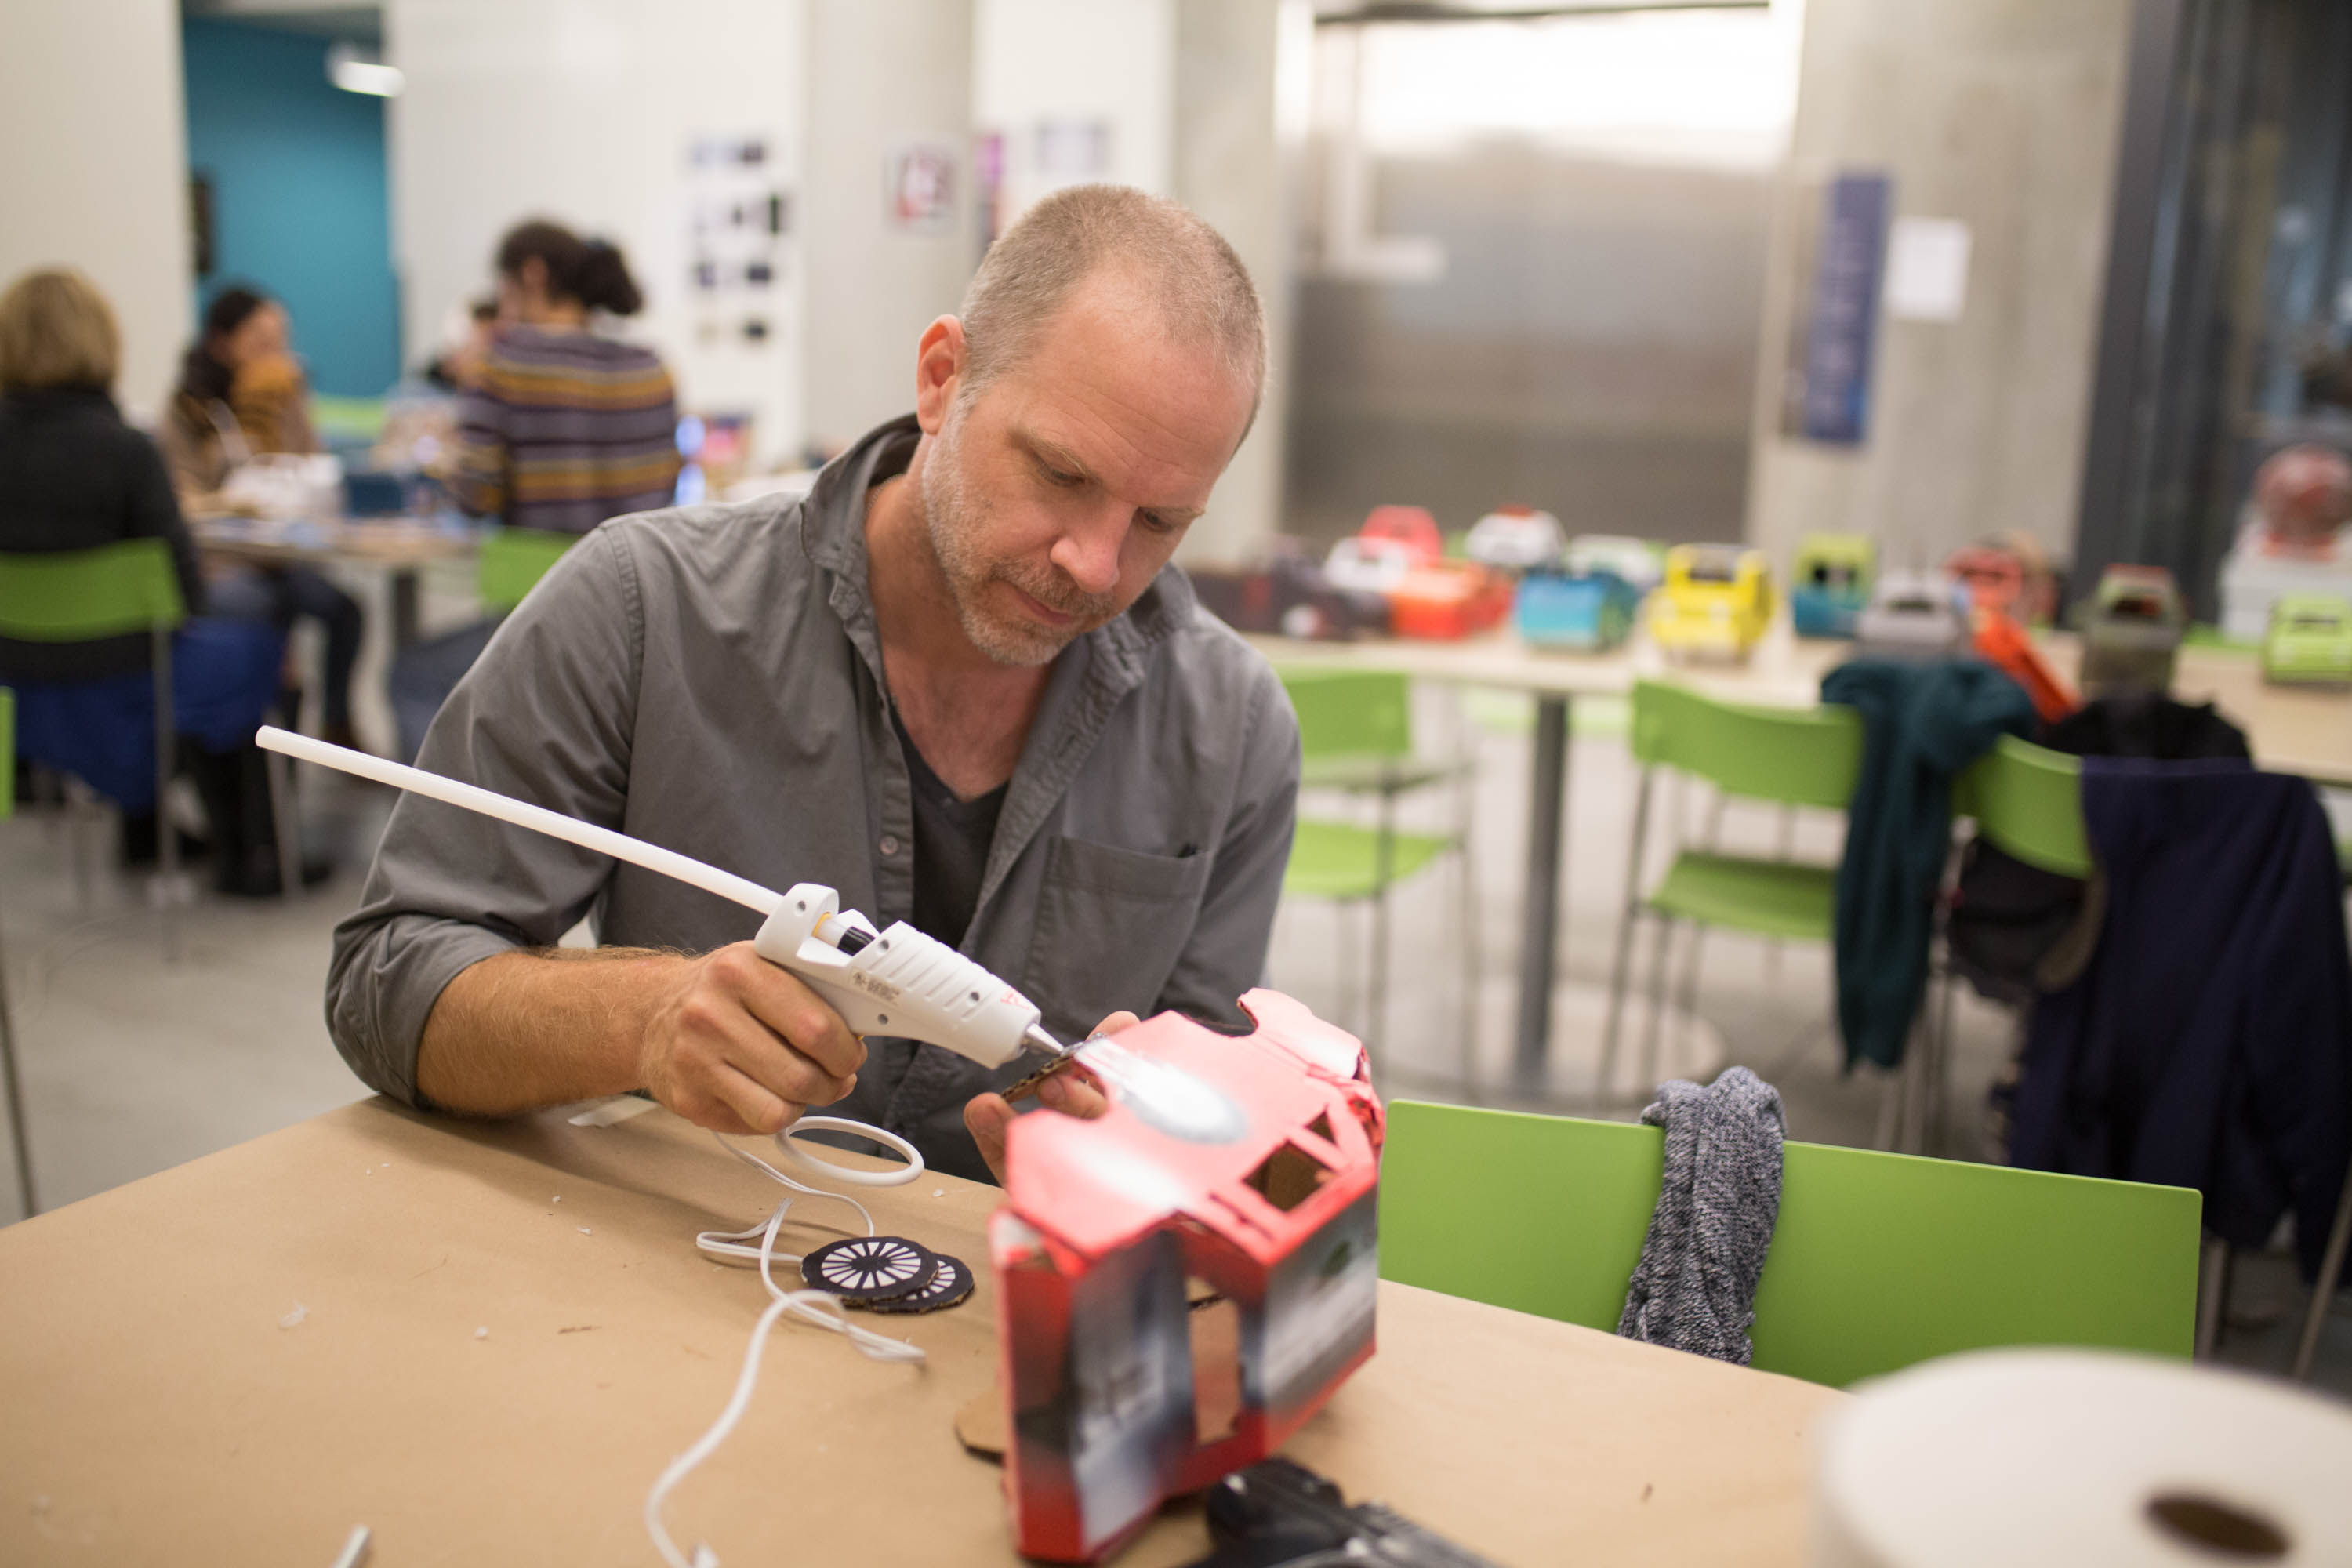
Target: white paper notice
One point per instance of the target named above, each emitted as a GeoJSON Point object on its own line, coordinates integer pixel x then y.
{"type": "Point", "coordinates": [1927, 269]}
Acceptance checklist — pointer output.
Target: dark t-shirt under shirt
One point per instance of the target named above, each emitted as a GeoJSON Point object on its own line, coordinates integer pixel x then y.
{"type": "Point", "coordinates": [952, 841]}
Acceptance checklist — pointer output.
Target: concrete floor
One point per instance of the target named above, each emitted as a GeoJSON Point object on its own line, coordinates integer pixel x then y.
{"type": "Point", "coordinates": [132, 1064]}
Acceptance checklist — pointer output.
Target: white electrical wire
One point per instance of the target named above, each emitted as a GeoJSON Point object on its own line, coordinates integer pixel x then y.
{"type": "Point", "coordinates": [820, 1308]}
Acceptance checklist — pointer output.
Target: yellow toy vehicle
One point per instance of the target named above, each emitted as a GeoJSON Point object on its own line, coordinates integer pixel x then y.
{"type": "Point", "coordinates": [1716, 601]}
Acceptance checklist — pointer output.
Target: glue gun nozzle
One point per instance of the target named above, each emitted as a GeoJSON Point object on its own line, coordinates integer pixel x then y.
{"type": "Point", "coordinates": [1037, 1039]}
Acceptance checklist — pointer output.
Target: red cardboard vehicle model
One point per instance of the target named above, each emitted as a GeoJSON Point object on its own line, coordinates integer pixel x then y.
{"type": "Point", "coordinates": [1124, 1239]}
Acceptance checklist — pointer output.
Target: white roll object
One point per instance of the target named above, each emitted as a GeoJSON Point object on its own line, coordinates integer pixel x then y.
{"type": "Point", "coordinates": [2040, 1457]}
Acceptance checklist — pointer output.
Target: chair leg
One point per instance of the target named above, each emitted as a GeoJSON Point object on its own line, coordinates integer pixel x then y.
{"type": "Point", "coordinates": [1650, 1038]}
{"type": "Point", "coordinates": [2323, 1290]}
{"type": "Point", "coordinates": [167, 839]}
{"type": "Point", "coordinates": [1621, 963]}
{"type": "Point", "coordinates": [14, 1088]}
{"type": "Point", "coordinates": [1470, 953]}
{"type": "Point", "coordinates": [2212, 1295]}
{"type": "Point", "coordinates": [286, 825]}
{"type": "Point", "coordinates": [1376, 976]}
{"type": "Point", "coordinates": [1889, 1131]}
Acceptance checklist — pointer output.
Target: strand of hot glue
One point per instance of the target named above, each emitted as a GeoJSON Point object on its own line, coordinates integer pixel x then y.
{"type": "Point", "coordinates": [820, 1308]}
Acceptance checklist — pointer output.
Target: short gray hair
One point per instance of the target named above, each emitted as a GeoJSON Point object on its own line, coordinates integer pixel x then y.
{"type": "Point", "coordinates": [1204, 292]}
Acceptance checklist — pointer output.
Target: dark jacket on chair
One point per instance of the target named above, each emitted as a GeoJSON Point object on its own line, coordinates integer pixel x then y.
{"type": "Point", "coordinates": [1921, 725]}
{"type": "Point", "coordinates": [73, 475]}
{"type": "Point", "coordinates": [2209, 1044]}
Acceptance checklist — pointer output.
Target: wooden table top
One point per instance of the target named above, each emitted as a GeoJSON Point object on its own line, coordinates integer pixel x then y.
{"type": "Point", "coordinates": [157, 1410]}
{"type": "Point", "coordinates": [393, 542]}
{"type": "Point", "coordinates": [2295, 729]}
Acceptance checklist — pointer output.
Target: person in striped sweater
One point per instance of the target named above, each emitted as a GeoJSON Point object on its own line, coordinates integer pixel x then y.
{"type": "Point", "coordinates": [565, 426]}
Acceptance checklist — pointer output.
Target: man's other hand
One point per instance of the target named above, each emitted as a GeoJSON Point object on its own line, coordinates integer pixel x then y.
{"type": "Point", "coordinates": [739, 1045]}
{"type": "Point", "coordinates": [987, 1115]}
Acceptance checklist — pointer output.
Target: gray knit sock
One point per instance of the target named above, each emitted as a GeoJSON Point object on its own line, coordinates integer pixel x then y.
{"type": "Point", "coordinates": [1695, 1288]}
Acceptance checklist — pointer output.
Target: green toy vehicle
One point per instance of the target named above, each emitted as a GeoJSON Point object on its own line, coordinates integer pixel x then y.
{"type": "Point", "coordinates": [1830, 584]}
{"type": "Point", "coordinates": [2309, 642]}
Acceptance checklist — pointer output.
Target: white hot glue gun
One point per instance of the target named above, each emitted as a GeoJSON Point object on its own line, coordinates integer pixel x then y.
{"type": "Point", "coordinates": [896, 982]}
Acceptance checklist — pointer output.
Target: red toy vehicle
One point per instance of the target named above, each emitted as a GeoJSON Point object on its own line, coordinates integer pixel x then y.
{"type": "Point", "coordinates": [1127, 1380]}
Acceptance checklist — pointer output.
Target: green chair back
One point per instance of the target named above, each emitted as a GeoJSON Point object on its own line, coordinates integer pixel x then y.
{"type": "Point", "coordinates": [1802, 756]}
{"type": "Point", "coordinates": [1878, 1261]}
{"type": "Point", "coordinates": [79, 595]}
{"type": "Point", "coordinates": [512, 562]}
{"type": "Point", "coordinates": [2028, 800]}
{"type": "Point", "coordinates": [1350, 713]}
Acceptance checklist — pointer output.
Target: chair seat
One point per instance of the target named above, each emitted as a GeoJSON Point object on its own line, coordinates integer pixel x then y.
{"type": "Point", "coordinates": [1341, 860]}
{"type": "Point", "coordinates": [1770, 897]}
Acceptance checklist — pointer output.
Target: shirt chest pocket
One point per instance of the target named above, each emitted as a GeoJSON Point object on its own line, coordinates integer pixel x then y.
{"type": "Point", "coordinates": [1111, 924]}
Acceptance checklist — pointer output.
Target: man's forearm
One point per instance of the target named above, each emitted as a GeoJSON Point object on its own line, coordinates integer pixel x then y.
{"type": "Point", "coordinates": [528, 1029]}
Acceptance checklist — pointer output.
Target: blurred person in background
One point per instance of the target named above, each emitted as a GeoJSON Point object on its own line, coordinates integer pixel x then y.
{"type": "Point", "coordinates": [242, 395]}
{"type": "Point", "coordinates": [74, 477]}
{"type": "Point", "coordinates": [559, 429]}
{"type": "Point", "coordinates": [564, 426]}
{"type": "Point", "coordinates": [2299, 500]}
{"type": "Point", "coordinates": [466, 343]}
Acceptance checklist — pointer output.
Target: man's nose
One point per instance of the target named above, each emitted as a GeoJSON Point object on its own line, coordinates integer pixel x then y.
{"type": "Point", "coordinates": [1089, 550]}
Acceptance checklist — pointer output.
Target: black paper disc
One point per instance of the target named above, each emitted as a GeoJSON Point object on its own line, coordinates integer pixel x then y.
{"type": "Point", "coordinates": [947, 1286]}
{"type": "Point", "coordinates": [866, 1268]}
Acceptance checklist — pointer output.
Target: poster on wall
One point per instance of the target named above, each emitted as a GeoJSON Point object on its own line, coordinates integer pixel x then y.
{"type": "Point", "coordinates": [738, 215]}
{"type": "Point", "coordinates": [920, 188]}
{"type": "Point", "coordinates": [1829, 384]}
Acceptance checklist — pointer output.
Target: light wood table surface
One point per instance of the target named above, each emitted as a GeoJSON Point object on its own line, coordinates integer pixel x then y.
{"type": "Point", "coordinates": [157, 1411]}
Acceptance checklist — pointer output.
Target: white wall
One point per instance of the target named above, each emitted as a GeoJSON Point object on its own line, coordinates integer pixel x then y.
{"type": "Point", "coordinates": [94, 168]}
{"type": "Point", "coordinates": [2004, 114]}
{"type": "Point", "coordinates": [584, 110]}
{"type": "Point", "coordinates": [1112, 61]}
{"type": "Point", "coordinates": [890, 75]}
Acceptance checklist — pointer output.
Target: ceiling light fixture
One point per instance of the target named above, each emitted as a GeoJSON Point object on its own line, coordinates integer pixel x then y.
{"type": "Point", "coordinates": [355, 70]}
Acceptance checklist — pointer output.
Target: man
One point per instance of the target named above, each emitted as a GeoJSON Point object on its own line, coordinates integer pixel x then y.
{"type": "Point", "coordinates": [960, 682]}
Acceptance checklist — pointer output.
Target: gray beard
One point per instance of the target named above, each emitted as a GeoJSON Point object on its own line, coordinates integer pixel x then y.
{"type": "Point", "coordinates": [951, 523]}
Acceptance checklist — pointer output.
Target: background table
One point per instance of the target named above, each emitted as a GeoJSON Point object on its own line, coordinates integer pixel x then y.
{"type": "Point", "coordinates": [2297, 730]}
{"type": "Point", "coordinates": [157, 1411]}
{"type": "Point", "coordinates": [400, 547]}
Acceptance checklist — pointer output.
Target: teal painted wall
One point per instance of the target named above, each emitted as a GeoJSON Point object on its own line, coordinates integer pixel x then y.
{"type": "Point", "coordinates": [300, 203]}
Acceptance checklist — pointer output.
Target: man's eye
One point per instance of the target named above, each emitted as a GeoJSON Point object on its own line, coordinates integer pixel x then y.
{"type": "Point", "coordinates": [1055, 477]}
{"type": "Point", "coordinates": [1155, 523]}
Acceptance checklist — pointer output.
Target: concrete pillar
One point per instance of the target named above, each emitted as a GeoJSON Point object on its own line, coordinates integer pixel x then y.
{"type": "Point", "coordinates": [891, 78]}
{"type": "Point", "coordinates": [2004, 114]}
{"type": "Point", "coordinates": [96, 172]}
{"type": "Point", "coordinates": [1232, 167]}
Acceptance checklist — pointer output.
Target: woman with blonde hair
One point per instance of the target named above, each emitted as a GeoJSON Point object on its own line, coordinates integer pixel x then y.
{"type": "Point", "coordinates": [74, 477]}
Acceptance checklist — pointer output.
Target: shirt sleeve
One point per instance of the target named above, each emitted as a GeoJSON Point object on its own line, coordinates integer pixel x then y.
{"type": "Point", "coordinates": [1226, 954]}
{"type": "Point", "coordinates": [546, 714]}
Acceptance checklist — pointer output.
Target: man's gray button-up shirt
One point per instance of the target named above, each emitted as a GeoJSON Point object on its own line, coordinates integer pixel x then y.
{"type": "Point", "coordinates": [709, 679]}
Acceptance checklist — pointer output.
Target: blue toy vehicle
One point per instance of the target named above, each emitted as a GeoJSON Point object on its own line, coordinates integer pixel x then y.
{"type": "Point", "coordinates": [1585, 611]}
{"type": "Point", "coordinates": [1830, 584]}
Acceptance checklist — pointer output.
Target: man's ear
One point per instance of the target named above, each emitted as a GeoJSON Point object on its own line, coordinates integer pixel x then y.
{"type": "Point", "coordinates": [938, 372]}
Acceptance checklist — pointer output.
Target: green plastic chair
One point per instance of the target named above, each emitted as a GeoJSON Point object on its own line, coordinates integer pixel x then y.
{"type": "Point", "coordinates": [1878, 1261]}
{"type": "Point", "coordinates": [1355, 734]}
{"type": "Point", "coordinates": [8, 1080]}
{"type": "Point", "coordinates": [512, 562]}
{"type": "Point", "coordinates": [2028, 800]}
{"type": "Point", "coordinates": [1792, 757]}
{"type": "Point", "coordinates": [81, 596]}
